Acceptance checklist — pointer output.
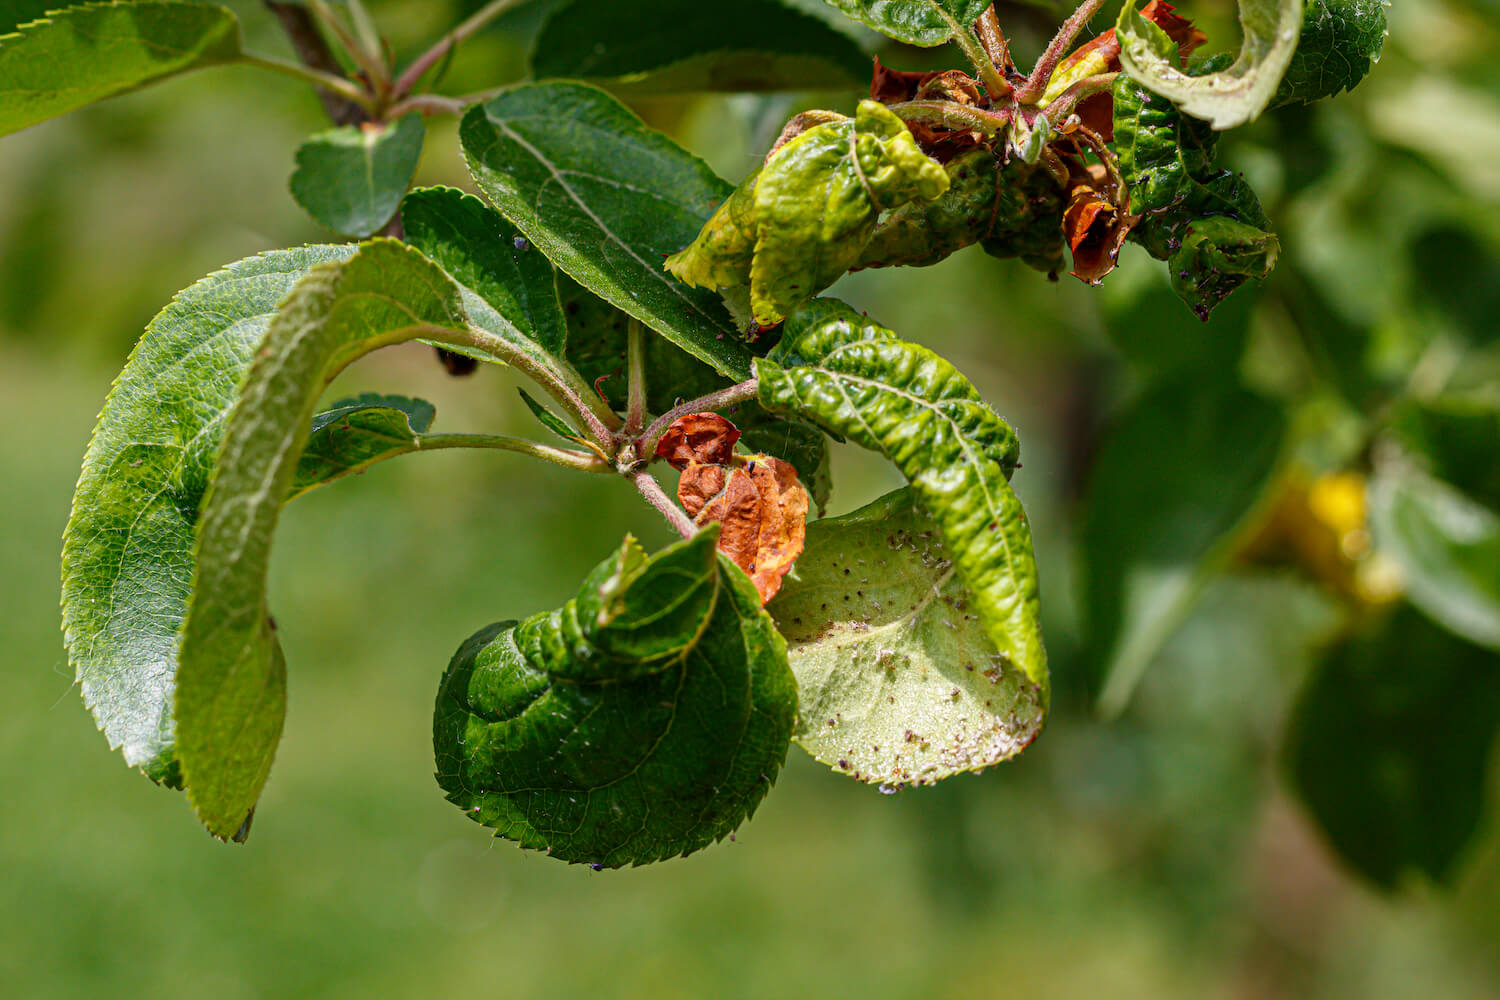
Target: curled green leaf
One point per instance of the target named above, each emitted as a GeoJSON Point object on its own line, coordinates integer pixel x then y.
{"type": "Point", "coordinates": [128, 549]}
{"type": "Point", "coordinates": [1340, 39]}
{"type": "Point", "coordinates": [899, 683]}
{"type": "Point", "coordinates": [357, 432]}
{"type": "Point", "coordinates": [839, 370]}
{"type": "Point", "coordinates": [1225, 98]}
{"type": "Point", "coordinates": [644, 719]}
{"type": "Point", "coordinates": [1205, 222]}
{"type": "Point", "coordinates": [803, 219]}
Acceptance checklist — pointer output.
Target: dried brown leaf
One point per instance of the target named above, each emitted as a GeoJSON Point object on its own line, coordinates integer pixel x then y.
{"type": "Point", "coordinates": [698, 437]}
{"type": "Point", "coordinates": [761, 509]}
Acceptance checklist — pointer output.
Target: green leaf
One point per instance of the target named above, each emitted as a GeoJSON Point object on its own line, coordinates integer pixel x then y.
{"type": "Point", "coordinates": [510, 288]}
{"type": "Point", "coordinates": [351, 179]}
{"type": "Point", "coordinates": [798, 223]}
{"type": "Point", "coordinates": [916, 22]}
{"type": "Point", "coordinates": [1388, 747]}
{"type": "Point", "coordinates": [606, 198]}
{"type": "Point", "coordinates": [1448, 548]}
{"type": "Point", "coordinates": [598, 338]}
{"type": "Point", "coordinates": [1206, 223]}
{"type": "Point", "coordinates": [1453, 438]}
{"type": "Point", "coordinates": [128, 548]}
{"type": "Point", "coordinates": [899, 683]}
{"type": "Point", "coordinates": [749, 45]}
{"type": "Point", "coordinates": [231, 679]}
{"type": "Point", "coordinates": [557, 425]}
{"type": "Point", "coordinates": [1340, 39]}
{"type": "Point", "coordinates": [842, 372]}
{"type": "Point", "coordinates": [802, 445]}
{"type": "Point", "coordinates": [84, 54]}
{"type": "Point", "coordinates": [353, 434]}
{"type": "Point", "coordinates": [644, 719]}
{"type": "Point", "coordinates": [1228, 97]}
{"type": "Point", "coordinates": [1175, 478]}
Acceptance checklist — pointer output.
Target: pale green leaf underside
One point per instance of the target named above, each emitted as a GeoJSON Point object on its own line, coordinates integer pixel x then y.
{"type": "Point", "coordinates": [751, 45]}
{"type": "Point", "coordinates": [898, 682]}
{"type": "Point", "coordinates": [607, 199]}
{"type": "Point", "coordinates": [127, 551]}
{"type": "Point", "coordinates": [1232, 96]}
{"type": "Point", "coordinates": [1448, 548]}
{"type": "Point", "coordinates": [841, 371]}
{"type": "Point", "coordinates": [231, 682]}
{"type": "Point", "coordinates": [916, 22]}
{"type": "Point", "coordinates": [84, 54]}
{"type": "Point", "coordinates": [644, 719]}
{"type": "Point", "coordinates": [351, 179]}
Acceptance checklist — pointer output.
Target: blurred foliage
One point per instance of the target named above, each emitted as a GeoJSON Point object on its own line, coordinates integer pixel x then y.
{"type": "Point", "coordinates": [1155, 854]}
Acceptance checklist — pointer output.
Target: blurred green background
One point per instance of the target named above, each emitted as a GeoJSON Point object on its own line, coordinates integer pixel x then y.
{"type": "Point", "coordinates": [1151, 856]}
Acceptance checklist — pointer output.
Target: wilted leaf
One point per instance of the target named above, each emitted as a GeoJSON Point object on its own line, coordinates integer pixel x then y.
{"type": "Point", "coordinates": [760, 507]}
{"type": "Point", "coordinates": [644, 719]}
{"type": "Point", "coordinates": [1095, 226]}
{"type": "Point", "coordinates": [606, 199]}
{"type": "Point", "coordinates": [801, 444]}
{"type": "Point", "coordinates": [698, 437]}
{"type": "Point", "coordinates": [797, 224]}
{"type": "Point", "coordinates": [84, 54]}
{"type": "Point", "coordinates": [351, 179]}
{"type": "Point", "coordinates": [687, 45]}
{"type": "Point", "coordinates": [1101, 54]}
{"type": "Point", "coordinates": [1225, 98]}
{"type": "Point", "coordinates": [916, 22]}
{"type": "Point", "coordinates": [1388, 747]}
{"type": "Point", "coordinates": [839, 370]}
{"type": "Point", "coordinates": [898, 681]}
{"type": "Point", "coordinates": [127, 561]}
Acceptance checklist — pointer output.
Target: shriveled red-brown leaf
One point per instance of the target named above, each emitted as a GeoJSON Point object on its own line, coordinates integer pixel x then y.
{"type": "Point", "coordinates": [1102, 53]}
{"type": "Point", "coordinates": [894, 86]}
{"type": "Point", "coordinates": [761, 509]}
{"type": "Point", "coordinates": [1095, 228]}
{"type": "Point", "coordinates": [800, 123]}
{"type": "Point", "coordinates": [698, 437]}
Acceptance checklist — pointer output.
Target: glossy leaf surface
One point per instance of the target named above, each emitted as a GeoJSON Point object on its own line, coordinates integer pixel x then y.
{"type": "Point", "coordinates": [1389, 744]}
{"type": "Point", "coordinates": [84, 54]}
{"type": "Point", "coordinates": [841, 371]}
{"type": "Point", "coordinates": [606, 199]}
{"type": "Point", "coordinates": [231, 679]}
{"type": "Point", "coordinates": [509, 286]}
{"type": "Point", "coordinates": [1448, 548]}
{"type": "Point", "coordinates": [692, 46]}
{"type": "Point", "coordinates": [128, 549]}
{"type": "Point", "coordinates": [1174, 477]}
{"type": "Point", "coordinates": [1228, 97]}
{"type": "Point", "coordinates": [899, 682]}
{"type": "Point", "coordinates": [1340, 39]}
{"type": "Point", "coordinates": [916, 22]}
{"type": "Point", "coordinates": [644, 719]}
{"type": "Point", "coordinates": [797, 224]}
{"type": "Point", "coordinates": [351, 179]}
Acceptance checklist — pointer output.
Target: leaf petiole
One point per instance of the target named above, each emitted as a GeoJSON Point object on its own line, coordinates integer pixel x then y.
{"type": "Point", "coordinates": [741, 392]}
{"type": "Point", "coordinates": [1036, 84]}
{"type": "Point", "coordinates": [657, 497]}
{"type": "Point", "coordinates": [635, 413]}
{"type": "Point", "coordinates": [953, 116]}
{"type": "Point", "coordinates": [420, 65]}
{"type": "Point", "coordinates": [330, 82]}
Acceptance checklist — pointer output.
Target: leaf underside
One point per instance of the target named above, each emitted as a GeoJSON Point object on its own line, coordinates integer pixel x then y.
{"type": "Point", "coordinates": [898, 680]}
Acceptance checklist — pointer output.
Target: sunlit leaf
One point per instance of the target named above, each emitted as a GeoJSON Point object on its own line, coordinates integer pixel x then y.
{"type": "Point", "coordinates": [84, 54]}
{"type": "Point", "coordinates": [841, 371]}
{"type": "Point", "coordinates": [1228, 97]}
{"type": "Point", "coordinates": [916, 22]}
{"type": "Point", "coordinates": [899, 682]}
{"type": "Point", "coordinates": [1340, 39]}
{"type": "Point", "coordinates": [644, 719]}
